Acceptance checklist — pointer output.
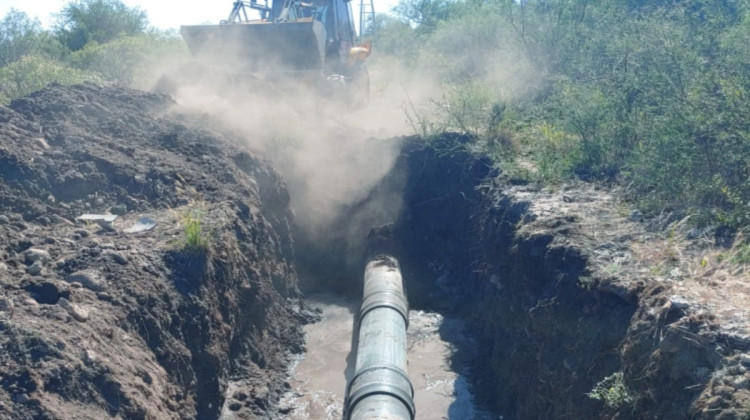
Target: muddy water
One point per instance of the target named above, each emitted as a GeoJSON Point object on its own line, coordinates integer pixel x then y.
{"type": "Point", "coordinates": [437, 348]}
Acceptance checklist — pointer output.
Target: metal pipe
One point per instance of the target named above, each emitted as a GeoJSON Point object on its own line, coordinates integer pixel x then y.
{"type": "Point", "coordinates": [380, 387]}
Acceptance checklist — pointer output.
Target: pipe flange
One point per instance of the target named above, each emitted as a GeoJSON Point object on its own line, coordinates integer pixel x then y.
{"type": "Point", "coordinates": [385, 299]}
{"type": "Point", "coordinates": [381, 380]}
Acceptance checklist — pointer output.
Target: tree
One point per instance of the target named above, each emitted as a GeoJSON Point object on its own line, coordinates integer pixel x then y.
{"type": "Point", "coordinates": [22, 36]}
{"type": "Point", "coordinates": [83, 21]}
{"type": "Point", "coordinates": [426, 14]}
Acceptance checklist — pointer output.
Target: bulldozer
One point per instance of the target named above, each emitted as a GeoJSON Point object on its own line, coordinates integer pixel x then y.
{"type": "Point", "coordinates": [313, 42]}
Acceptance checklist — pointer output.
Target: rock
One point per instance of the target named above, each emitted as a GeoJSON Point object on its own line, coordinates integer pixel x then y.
{"type": "Point", "coordinates": [679, 302]}
{"type": "Point", "coordinates": [6, 307]}
{"type": "Point", "coordinates": [3, 266]}
{"type": "Point", "coordinates": [83, 233]}
{"type": "Point", "coordinates": [32, 255]}
{"type": "Point", "coordinates": [118, 258]}
{"type": "Point", "coordinates": [120, 209]}
{"type": "Point", "coordinates": [4, 219]}
{"type": "Point", "coordinates": [30, 302]}
{"type": "Point", "coordinates": [636, 216]}
{"type": "Point", "coordinates": [745, 359]}
{"type": "Point", "coordinates": [89, 357]}
{"type": "Point", "coordinates": [35, 268]}
{"type": "Point", "coordinates": [104, 296]}
{"type": "Point", "coordinates": [50, 240]}
{"type": "Point", "coordinates": [90, 279]}
{"type": "Point", "coordinates": [76, 312]}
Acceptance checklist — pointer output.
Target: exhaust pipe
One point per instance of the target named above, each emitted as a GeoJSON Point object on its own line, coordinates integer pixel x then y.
{"type": "Point", "coordinates": [380, 387]}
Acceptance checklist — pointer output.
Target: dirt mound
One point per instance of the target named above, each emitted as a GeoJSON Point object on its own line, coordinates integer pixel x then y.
{"type": "Point", "coordinates": [98, 322]}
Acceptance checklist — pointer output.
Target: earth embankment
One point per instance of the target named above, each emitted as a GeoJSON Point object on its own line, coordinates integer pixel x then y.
{"type": "Point", "coordinates": [98, 322]}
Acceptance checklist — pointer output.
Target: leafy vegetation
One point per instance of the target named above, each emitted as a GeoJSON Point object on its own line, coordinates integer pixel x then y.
{"type": "Point", "coordinates": [652, 95]}
{"type": "Point", "coordinates": [100, 41]}
{"type": "Point", "coordinates": [82, 22]}
{"type": "Point", "coordinates": [195, 238]}
{"type": "Point", "coordinates": [612, 391]}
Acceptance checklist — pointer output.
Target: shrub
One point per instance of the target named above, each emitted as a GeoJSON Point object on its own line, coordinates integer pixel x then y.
{"type": "Point", "coordinates": [612, 391]}
{"type": "Point", "coordinates": [130, 60]}
{"type": "Point", "coordinates": [32, 73]}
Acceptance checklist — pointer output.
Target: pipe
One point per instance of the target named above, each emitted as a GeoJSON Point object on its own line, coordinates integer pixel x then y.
{"type": "Point", "coordinates": [380, 387]}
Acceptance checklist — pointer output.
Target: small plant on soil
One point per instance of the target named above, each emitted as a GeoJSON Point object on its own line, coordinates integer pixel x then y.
{"type": "Point", "coordinates": [612, 391]}
{"type": "Point", "coordinates": [195, 239]}
{"type": "Point", "coordinates": [586, 282]}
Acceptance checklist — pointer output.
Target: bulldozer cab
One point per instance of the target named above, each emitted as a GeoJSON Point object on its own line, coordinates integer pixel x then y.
{"type": "Point", "coordinates": [278, 36]}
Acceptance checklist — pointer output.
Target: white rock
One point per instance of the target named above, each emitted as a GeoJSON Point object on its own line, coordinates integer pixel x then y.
{"type": "Point", "coordinates": [33, 255]}
{"type": "Point", "coordinates": [76, 312]}
{"type": "Point", "coordinates": [90, 279]}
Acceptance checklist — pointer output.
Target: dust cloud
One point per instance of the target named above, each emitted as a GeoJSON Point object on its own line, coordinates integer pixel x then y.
{"type": "Point", "coordinates": [330, 157]}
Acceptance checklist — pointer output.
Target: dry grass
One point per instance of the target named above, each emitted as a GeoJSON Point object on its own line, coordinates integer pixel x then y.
{"type": "Point", "coordinates": [632, 253]}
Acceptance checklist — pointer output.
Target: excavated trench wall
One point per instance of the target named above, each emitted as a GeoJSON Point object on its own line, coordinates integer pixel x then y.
{"type": "Point", "coordinates": [544, 341]}
{"type": "Point", "coordinates": [107, 323]}
{"type": "Point", "coordinates": [548, 328]}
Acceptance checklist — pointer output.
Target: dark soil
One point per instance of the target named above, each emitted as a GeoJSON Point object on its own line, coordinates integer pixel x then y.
{"type": "Point", "coordinates": [99, 323]}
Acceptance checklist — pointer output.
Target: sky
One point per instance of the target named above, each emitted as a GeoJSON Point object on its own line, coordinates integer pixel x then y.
{"type": "Point", "coordinates": [163, 14]}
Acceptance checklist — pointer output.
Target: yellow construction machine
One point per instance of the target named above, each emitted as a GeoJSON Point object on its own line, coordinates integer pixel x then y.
{"type": "Point", "coordinates": [311, 41]}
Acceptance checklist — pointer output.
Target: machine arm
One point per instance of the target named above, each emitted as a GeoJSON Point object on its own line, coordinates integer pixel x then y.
{"type": "Point", "coordinates": [239, 12]}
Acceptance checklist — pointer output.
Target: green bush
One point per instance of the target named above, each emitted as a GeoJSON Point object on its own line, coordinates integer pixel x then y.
{"type": "Point", "coordinates": [612, 391]}
{"type": "Point", "coordinates": [130, 60]}
{"type": "Point", "coordinates": [21, 36]}
{"type": "Point", "coordinates": [83, 21]}
{"type": "Point", "coordinates": [32, 73]}
{"type": "Point", "coordinates": [654, 96]}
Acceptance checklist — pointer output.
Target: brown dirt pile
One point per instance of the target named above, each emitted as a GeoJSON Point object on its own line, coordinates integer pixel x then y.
{"type": "Point", "coordinates": [96, 322]}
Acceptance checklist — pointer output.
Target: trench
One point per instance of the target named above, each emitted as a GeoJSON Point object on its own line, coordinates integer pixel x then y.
{"type": "Point", "coordinates": [438, 351]}
{"type": "Point", "coordinates": [499, 325]}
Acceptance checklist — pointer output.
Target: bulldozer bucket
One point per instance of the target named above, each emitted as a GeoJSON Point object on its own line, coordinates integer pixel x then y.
{"type": "Point", "coordinates": [261, 47]}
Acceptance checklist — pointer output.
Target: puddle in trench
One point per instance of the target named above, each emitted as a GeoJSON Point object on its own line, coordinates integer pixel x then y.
{"type": "Point", "coordinates": [318, 380]}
